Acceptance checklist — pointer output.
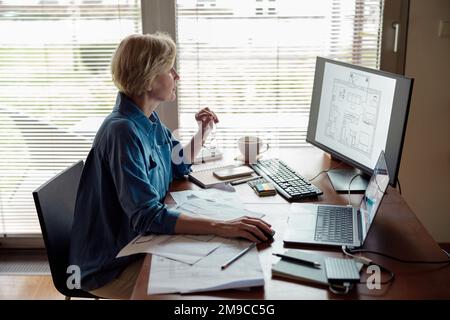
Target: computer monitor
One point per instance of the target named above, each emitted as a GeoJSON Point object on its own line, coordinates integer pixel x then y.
{"type": "Point", "coordinates": [355, 113]}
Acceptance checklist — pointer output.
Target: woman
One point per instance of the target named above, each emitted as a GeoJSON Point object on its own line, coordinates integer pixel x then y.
{"type": "Point", "coordinates": [129, 169]}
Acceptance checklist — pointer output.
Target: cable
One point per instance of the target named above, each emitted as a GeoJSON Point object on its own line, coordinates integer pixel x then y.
{"type": "Point", "coordinates": [346, 286]}
{"type": "Point", "coordinates": [399, 186]}
{"type": "Point", "coordinates": [368, 262]}
{"type": "Point", "coordinates": [391, 274]}
{"type": "Point", "coordinates": [445, 251]}
{"type": "Point", "coordinates": [399, 259]}
{"type": "Point", "coordinates": [323, 171]}
{"type": "Point", "coordinates": [363, 260]}
{"type": "Point", "coordinates": [349, 184]}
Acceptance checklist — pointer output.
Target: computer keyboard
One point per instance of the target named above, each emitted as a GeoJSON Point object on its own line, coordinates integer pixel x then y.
{"type": "Point", "coordinates": [288, 183]}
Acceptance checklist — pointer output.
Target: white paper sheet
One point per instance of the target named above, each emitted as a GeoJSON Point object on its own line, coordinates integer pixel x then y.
{"type": "Point", "coordinates": [188, 248]}
{"type": "Point", "coordinates": [230, 198]}
{"type": "Point", "coordinates": [185, 248]}
{"type": "Point", "coordinates": [243, 195]}
{"type": "Point", "coordinates": [247, 195]}
{"type": "Point", "coordinates": [215, 210]}
{"type": "Point", "coordinates": [169, 276]}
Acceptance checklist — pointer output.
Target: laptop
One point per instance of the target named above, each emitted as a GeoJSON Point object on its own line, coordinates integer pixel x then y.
{"type": "Point", "coordinates": [339, 225]}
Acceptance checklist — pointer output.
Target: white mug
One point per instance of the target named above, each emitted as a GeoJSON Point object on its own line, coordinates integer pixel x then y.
{"type": "Point", "coordinates": [250, 147]}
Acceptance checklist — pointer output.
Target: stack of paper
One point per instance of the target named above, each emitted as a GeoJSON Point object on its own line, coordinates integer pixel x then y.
{"type": "Point", "coordinates": [169, 276]}
{"type": "Point", "coordinates": [188, 248]}
{"type": "Point", "coordinates": [185, 248]}
{"type": "Point", "coordinates": [190, 263]}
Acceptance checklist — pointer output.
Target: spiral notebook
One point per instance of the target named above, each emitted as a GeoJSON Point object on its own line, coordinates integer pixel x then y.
{"type": "Point", "coordinates": [206, 179]}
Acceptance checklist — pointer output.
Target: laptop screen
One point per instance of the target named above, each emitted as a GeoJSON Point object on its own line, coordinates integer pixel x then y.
{"type": "Point", "coordinates": [374, 194]}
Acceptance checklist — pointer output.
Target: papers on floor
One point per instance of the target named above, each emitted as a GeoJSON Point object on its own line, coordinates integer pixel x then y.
{"type": "Point", "coordinates": [187, 248]}
{"type": "Point", "coordinates": [169, 276]}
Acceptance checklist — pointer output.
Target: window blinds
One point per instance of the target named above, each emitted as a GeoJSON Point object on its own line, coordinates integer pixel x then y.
{"type": "Point", "coordinates": [252, 61]}
{"type": "Point", "coordinates": [55, 89]}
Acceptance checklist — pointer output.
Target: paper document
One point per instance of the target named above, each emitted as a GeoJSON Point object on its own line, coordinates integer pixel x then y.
{"type": "Point", "coordinates": [188, 248]}
{"type": "Point", "coordinates": [247, 195]}
{"type": "Point", "coordinates": [184, 248]}
{"type": "Point", "coordinates": [215, 210]}
{"type": "Point", "coordinates": [169, 276]}
{"type": "Point", "coordinates": [230, 198]}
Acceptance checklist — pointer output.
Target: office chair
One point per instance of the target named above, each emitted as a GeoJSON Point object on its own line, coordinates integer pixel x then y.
{"type": "Point", "coordinates": [55, 205]}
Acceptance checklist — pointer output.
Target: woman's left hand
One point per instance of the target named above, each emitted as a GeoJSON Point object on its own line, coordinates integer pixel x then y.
{"type": "Point", "coordinates": [206, 119]}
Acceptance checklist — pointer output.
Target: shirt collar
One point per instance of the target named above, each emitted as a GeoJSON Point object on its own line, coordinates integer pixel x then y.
{"type": "Point", "coordinates": [127, 107]}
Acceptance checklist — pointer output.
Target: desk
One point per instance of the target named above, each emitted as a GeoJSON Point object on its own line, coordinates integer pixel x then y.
{"type": "Point", "coordinates": [396, 231]}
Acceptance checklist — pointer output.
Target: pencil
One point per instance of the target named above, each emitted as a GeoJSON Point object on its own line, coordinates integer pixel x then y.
{"type": "Point", "coordinates": [240, 254]}
{"type": "Point", "coordinates": [313, 264]}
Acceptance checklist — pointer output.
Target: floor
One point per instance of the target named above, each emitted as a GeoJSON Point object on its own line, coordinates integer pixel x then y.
{"type": "Point", "coordinates": [26, 287]}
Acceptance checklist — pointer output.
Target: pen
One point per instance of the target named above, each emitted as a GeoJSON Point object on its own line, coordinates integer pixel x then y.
{"type": "Point", "coordinates": [313, 264]}
{"type": "Point", "coordinates": [236, 182]}
{"type": "Point", "coordinates": [240, 254]}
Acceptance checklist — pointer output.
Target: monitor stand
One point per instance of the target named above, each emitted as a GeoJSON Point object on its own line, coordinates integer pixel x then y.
{"type": "Point", "coordinates": [340, 179]}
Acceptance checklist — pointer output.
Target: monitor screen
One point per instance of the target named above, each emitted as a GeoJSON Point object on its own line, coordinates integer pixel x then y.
{"type": "Point", "coordinates": [356, 112]}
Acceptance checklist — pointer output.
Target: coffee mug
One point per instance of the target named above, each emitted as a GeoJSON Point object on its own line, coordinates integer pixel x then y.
{"type": "Point", "coordinates": [250, 147]}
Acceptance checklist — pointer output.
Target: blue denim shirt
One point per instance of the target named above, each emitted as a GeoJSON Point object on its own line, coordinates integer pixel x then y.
{"type": "Point", "coordinates": [121, 192]}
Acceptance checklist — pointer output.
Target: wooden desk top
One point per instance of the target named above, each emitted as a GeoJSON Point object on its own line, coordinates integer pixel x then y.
{"type": "Point", "coordinates": [396, 231]}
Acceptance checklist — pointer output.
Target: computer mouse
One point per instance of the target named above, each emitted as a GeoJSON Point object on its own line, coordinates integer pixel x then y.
{"type": "Point", "coordinates": [269, 235]}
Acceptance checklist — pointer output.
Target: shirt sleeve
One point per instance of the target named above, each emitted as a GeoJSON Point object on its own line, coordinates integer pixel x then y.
{"type": "Point", "coordinates": [179, 167]}
{"type": "Point", "coordinates": [138, 198]}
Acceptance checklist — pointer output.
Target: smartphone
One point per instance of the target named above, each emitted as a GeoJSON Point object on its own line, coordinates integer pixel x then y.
{"type": "Point", "coordinates": [230, 173]}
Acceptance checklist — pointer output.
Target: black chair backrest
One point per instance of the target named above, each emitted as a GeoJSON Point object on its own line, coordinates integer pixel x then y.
{"type": "Point", "coordinates": [55, 205]}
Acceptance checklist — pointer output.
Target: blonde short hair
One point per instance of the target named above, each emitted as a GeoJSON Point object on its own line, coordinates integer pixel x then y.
{"type": "Point", "coordinates": [139, 59]}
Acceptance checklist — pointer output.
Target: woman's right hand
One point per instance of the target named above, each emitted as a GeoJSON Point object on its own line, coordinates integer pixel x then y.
{"type": "Point", "coordinates": [253, 229]}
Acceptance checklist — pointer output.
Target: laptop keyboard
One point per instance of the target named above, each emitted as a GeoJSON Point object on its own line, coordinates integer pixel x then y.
{"type": "Point", "coordinates": [334, 224]}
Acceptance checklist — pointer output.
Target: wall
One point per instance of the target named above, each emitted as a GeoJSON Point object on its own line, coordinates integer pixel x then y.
{"type": "Point", "coordinates": [425, 167]}
{"type": "Point", "coordinates": [163, 20]}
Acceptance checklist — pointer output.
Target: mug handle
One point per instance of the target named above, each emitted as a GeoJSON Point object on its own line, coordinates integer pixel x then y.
{"type": "Point", "coordinates": [267, 148]}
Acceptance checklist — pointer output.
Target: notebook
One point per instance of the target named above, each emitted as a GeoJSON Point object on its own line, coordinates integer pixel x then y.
{"type": "Point", "coordinates": [300, 272]}
{"type": "Point", "coordinates": [205, 178]}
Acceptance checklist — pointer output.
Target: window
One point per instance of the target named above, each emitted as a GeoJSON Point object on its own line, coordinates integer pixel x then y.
{"type": "Point", "coordinates": [55, 89]}
{"type": "Point", "coordinates": [253, 61]}
{"type": "Point", "coordinates": [250, 60]}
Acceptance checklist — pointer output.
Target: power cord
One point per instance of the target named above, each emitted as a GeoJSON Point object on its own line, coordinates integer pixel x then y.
{"type": "Point", "coordinates": [346, 287]}
{"type": "Point", "coordinates": [369, 262]}
{"type": "Point", "coordinates": [401, 260]}
{"type": "Point", "coordinates": [324, 171]}
{"type": "Point", "coordinates": [341, 290]}
{"type": "Point", "coordinates": [446, 252]}
{"type": "Point", "coordinates": [349, 185]}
